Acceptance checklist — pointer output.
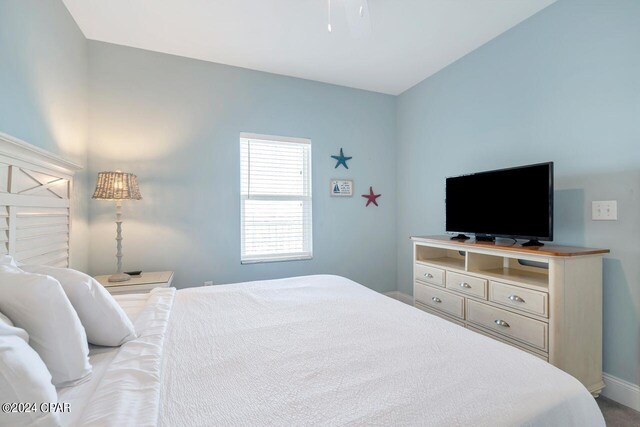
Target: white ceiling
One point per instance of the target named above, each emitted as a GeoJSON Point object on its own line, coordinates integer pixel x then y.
{"type": "Point", "coordinates": [400, 43]}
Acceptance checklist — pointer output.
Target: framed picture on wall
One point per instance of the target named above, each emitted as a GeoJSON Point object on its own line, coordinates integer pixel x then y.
{"type": "Point", "coordinates": [341, 188]}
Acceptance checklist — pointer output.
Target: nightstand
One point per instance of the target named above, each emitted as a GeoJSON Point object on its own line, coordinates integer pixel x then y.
{"type": "Point", "coordinates": [138, 284]}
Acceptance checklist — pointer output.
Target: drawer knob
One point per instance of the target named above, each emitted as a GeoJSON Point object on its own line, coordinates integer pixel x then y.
{"type": "Point", "coordinates": [465, 285]}
{"type": "Point", "coordinates": [502, 323]}
{"type": "Point", "coordinates": [436, 299]}
{"type": "Point", "coordinates": [516, 298]}
{"type": "Point", "coordinates": [428, 275]}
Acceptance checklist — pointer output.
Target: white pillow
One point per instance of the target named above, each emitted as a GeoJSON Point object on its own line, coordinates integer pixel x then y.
{"type": "Point", "coordinates": [7, 328]}
{"type": "Point", "coordinates": [24, 378]}
{"type": "Point", "coordinates": [5, 319]}
{"type": "Point", "coordinates": [37, 304]}
{"type": "Point", "coordinates": [102, 317]}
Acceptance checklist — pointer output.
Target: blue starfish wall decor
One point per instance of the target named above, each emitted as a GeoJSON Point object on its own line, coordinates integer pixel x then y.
{"type": "Point", "coordinates": [342, 159]}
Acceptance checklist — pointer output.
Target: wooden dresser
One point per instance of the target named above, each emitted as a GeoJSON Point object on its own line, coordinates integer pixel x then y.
{"type": "Point", "coordinates": [544, 300]}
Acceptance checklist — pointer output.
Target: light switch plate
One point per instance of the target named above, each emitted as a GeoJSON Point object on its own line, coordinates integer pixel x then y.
{"type": "Point", "coordinates": [604, 210]}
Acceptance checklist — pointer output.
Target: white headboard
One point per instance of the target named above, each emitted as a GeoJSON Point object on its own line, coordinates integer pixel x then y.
{"type": "Point", "coordinates": [35, 192]}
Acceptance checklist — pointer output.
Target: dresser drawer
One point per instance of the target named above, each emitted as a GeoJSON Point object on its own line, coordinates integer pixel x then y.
{"type": "Point", "coordinates": [529, 331]}
{"type": "Point", "coordinates": [520, 298]}
{"type": "Point", "coordinates": [429, 274]}
{"type": "Point", "coordinates": [497, 337]}
{"type": "Point", "coordinates": [439, 299]}
{"type": "Point", "coordinates": [439, 313]}
{"type": "Point", "coordinates": [467, 284]}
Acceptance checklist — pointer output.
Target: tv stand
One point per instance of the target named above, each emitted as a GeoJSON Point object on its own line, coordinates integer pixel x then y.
{"type": "Point", "coordinates": [533, 242]}
{"type": "Point", "coordinates": [551, 308]}
{"type": "Point", "coordinates": [485, 238]}
{"type": "Point", "coordinates": [460, 237]}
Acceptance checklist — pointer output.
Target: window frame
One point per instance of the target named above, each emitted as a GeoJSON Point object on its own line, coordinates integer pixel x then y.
{"type": "Point", "coordinates": [295, 256]}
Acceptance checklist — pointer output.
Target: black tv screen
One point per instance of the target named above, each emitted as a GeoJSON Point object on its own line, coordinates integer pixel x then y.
{"type": "Point", "coordinates": [515, 202]}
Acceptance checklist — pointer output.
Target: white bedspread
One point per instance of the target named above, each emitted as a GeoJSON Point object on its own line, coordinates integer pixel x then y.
{"type": "Point", "coordinates": [323, 350]}
{"type": "Point", "coordinates": [128, 391]}
{"type": "Point", "coordinates": [78, 397]}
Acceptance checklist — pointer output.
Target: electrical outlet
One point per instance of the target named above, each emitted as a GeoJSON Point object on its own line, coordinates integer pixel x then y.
{"type": "Point", "coordinates": [208, 283]}
{"type": "Point", "coordinates": [604, 211]}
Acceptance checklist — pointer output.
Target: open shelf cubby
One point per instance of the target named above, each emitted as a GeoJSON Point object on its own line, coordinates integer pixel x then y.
{"type": "Point", "coordinates": [509, 270]}
{"type": "Point", "coordinates": [443, 258]}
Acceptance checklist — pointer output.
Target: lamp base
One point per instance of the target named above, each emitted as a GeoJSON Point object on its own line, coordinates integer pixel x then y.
{"type": "Point", "coordinates": [120, 277]}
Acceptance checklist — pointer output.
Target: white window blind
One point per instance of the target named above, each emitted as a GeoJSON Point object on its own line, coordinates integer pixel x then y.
{"type": "Point", "coordinates": [275, 197]}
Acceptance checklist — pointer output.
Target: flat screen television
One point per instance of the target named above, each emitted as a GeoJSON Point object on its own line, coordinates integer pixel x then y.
{"type": "Point", "coordinates": [515, 203]}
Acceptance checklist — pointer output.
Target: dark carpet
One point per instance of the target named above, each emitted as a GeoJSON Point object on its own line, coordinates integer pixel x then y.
{"type": "Point", "coordinates": [617, 415]}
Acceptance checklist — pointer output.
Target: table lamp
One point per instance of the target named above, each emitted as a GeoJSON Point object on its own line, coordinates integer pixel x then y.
{"type": "Point", "coordinates": [117, 186]}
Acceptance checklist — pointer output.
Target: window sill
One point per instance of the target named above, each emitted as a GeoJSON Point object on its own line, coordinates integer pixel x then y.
{"type": "Point", "coordinates": [276, 259]}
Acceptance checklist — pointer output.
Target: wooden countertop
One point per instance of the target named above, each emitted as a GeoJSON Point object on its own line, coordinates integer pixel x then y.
{"type": "Point", "coordinates": [509, 245]}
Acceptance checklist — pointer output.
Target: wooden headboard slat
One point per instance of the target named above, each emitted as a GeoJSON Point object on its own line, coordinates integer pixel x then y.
{"type": "Point", "coordinates": [35, 202]}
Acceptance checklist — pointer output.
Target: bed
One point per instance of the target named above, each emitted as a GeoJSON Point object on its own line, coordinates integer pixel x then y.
{"type": "Point", "coordinates": [314, 350]}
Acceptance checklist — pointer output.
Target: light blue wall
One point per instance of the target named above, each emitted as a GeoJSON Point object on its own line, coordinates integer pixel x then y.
{"type": "Point", "coordinates": [562, 86]}
{"type": "Point", "coordinates": [43, 91]}
{"type": "Point", "coordinates": [176, 122]}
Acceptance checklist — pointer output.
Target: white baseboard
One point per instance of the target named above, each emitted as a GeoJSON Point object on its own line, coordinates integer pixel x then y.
{"type": "Point", "coordinates": [400, 296]}
{"type": "Point", "coordinates": [621, 391]}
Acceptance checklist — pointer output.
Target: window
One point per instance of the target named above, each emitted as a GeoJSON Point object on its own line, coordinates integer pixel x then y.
{"type": "Point", "coordinates": [275, 197]}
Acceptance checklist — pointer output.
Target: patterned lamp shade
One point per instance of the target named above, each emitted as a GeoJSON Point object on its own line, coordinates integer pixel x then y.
{"type": "Point", "coordinates": [117, 186]}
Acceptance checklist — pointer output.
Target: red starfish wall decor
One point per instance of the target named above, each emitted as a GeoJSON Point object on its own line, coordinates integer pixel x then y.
{"type": "Point", "coordinates": [371, 197]}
